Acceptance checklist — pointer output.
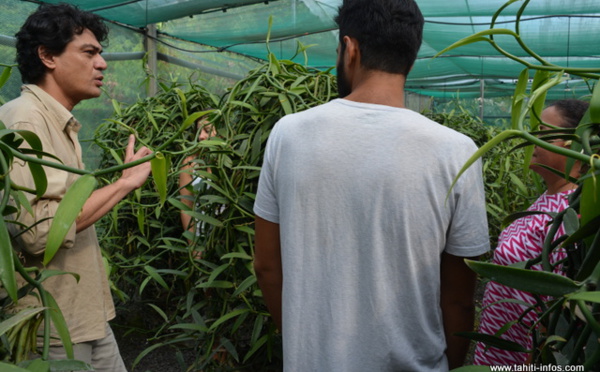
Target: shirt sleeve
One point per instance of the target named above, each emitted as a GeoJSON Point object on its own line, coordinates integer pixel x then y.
{"type": "Point", "coordinates": [31, 230]}
{"type": "Point", "coordinates": [468, 234]}
{"type": "Point", "coordinates": [266, 205]}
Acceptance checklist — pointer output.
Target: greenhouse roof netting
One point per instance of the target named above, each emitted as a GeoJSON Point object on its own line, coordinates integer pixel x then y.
{"type": "Point", "coordinates": [562, 32]}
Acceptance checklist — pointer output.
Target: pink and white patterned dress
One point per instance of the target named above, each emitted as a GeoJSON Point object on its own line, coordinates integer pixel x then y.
{"type": "Point", "coordinates": [522, 240]}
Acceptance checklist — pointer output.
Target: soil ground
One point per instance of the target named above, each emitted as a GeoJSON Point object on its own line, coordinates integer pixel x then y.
{"type": "Point", "coordinates": [164, 359]}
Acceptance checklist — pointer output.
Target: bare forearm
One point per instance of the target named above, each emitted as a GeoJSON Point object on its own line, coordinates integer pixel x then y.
{"type": "Point", "coordinates": [268, 267]}
{"type": "Point", "coordinates": [101, 202]}
{"type": "Point", "coordinates": [457, 289]}
{"type": "Point", "coordinates": [457, 318]}
{"type": "Point", "coordinates": [270, 284]}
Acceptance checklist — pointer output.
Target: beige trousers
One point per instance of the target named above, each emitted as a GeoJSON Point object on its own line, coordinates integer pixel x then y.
{"type": "Point", "coordinates": [102, 354]}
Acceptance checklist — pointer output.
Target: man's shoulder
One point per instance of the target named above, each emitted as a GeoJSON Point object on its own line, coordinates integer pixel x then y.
{"type": "Point", "coordinates": [22, 109]}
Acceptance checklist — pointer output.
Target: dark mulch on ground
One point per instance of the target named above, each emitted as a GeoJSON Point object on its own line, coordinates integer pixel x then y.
{"type": "Point", "coordinates": [162, 359]}
{"type": "Point", "coordinates": [129, 327]}
{"type": "Point", "coordinates": [165, 359]}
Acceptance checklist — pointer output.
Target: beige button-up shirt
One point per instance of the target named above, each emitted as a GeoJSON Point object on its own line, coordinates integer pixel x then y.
{"type": "Point", "coordinates": [86, 305]}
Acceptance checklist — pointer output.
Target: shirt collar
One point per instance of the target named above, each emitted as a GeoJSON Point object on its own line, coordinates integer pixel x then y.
{"type": "Point", "coordinates": [63, 116]}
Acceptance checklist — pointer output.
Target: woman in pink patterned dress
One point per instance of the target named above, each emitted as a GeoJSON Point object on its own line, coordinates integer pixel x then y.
{"type": "Point", "coordinates": [523, 239]}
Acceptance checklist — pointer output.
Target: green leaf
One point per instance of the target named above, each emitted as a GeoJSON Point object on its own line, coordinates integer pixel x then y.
{"type": "Point", "coordinates": [226, 317]}
{"type": "Point", "coordinates": [5, 75]}
{"type": "Point", "coordinates": [156, 276]}
{"type": "Point", "coordinates": [539, 79]}
{"type": "Point", "coordinates": [37, 172]}
{"type": "Point", "coordinates": [69, 365]}
{"type": "Point", "coordinates": [216, 284]}
{"type": "Point", "coordinates": [536, 282]}
{"type": "Point", "coordinates": [160, 312]}
{"type": "Point", "coordinates": [595, 104]}
{"type": "Point", "coordinates": [67, 213]}
{"type": "Point", "coordinates": [60, 325]}
{"type": "Point", "coordinates": [255, 346]}
{"type": "Point", "coordinates": [480, 36]}
{"type": "Point", "coordinates": [285, 104]}
{"type": "Point", "coordinates": [183, 102]}
{"type": "Point", "coordinates": [241, 255]}
{"type": "Point", "coordinates": [45, 274]}
{"type": "Point", "coordinates": [585, 296]}
{"type": "Point", "coordinates": [39, 365]}
{"type": "Point", "coordinates": [7, 264]}
{"type": "Point", "coordinates": [590, 200]}
{"type": "Point", "coordinates": [21, 316]}
{"type": "Point", "coordinates": [495, 341]}
{"type": "Point", "coordinates": [190, 326]}
{"type": "Point", "coordinates": [5, 367]}
{"type": "Point", "coordinates": [502, 136]}
{"type": "Point", "coordinates": [248, 282]}
{"type": "Point", "coordinates": [159, 174]}
{"type": "Point", "coordinates": [518, 98]}
{"type": "Point", "coordinates": [203, 217]}
{"type": "Point", "coordinates": [472, 369]}
{"type": "Point", "coordinates": [258, 326]}
{"type": "Point", "coordinates": [571, 221]}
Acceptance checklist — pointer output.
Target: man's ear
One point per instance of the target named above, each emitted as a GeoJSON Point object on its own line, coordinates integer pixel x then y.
{"type": "Point", "coordinates": [46, 57]}
{"type": "Point", "coordinates": [351, 52]}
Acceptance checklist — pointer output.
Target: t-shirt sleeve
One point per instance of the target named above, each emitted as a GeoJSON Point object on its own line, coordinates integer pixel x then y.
{"type": "Point", "coordinates": [266, 205]}
{"type": "Point", "coordinates": [468, 234]}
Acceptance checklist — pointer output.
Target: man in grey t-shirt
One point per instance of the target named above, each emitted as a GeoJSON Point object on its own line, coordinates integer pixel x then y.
{"type": "Point", "coordinates": [359, 243]}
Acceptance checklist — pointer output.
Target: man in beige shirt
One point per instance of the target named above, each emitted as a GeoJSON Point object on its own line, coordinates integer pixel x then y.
{"type": "Point", "coordinates": [59, 57]}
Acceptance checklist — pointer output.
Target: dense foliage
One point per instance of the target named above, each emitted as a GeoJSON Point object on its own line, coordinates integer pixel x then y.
{"type": "Point", "coordinates": [567, 306]}
{"type": "Point", "coordinates": [212, 303]}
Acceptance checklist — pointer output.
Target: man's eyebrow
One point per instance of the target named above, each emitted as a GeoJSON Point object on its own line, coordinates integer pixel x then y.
{"type": "Point", "coordinates": [93, 46]}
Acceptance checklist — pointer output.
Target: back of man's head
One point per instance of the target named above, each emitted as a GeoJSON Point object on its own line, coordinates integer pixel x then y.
{"type": "Point", "coordinates": [52, 26]}
{"type": "Point", "coordinates": [389, 32]}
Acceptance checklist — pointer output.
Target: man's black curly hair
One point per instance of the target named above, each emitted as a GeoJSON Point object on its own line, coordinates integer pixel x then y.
{"type": "Point", "coordinates": [52, 26]}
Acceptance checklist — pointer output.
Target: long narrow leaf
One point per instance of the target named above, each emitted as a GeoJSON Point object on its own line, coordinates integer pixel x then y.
{"type": "Point", "coordinates": [585, 296]}
{"type": "Point", "coordinates": [159, 174]}
{"type": "Point", "coordinates": [60, 325]}
{"type": "Point", "coordinates": [156, 276]}
{"type": "Point", "coordinates": [472, 369]}
{"type": "Point", "coordinates": [494, 341]}
{"type": "Point", "coordinates": [7, 266]}
{"type": "Point", "coordinates": [5, 367]}
{"type": "Point", "coordinates": [536, 282]}
{"type": "Point", "coordinates": [502, 136]}
{"type": "Point", "coordinates": [19, 317]}
{"type": "Point", "coordinates": [519, 98]}
{"type": "Point", "coordinates": [67, 213]}
{"type": "Point", "coordinates": [226, 317]}
{"type": "Point", "coordinates": [480, 36]}
{"type": "Point", "coordinates": [5, 75]}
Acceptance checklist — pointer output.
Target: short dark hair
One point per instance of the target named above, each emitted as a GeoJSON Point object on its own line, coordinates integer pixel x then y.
{"type": "Point", "coordinates": [571, 111]}
{"type": "Point", "coordinates": [389, 32]}
{"type": "Point", "coordinates": [52, 26]}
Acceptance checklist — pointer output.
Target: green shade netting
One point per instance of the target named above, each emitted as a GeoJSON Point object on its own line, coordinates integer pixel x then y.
{"type": "Point", "coordinates": [562, 31]}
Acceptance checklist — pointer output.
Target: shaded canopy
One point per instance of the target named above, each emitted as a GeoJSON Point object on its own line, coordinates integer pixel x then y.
{"type": "Point", "coordinates": [563, 32]}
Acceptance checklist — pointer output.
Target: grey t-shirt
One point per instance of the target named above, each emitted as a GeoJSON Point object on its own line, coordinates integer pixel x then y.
{"type": "Point", "coordinates": [360, 192]}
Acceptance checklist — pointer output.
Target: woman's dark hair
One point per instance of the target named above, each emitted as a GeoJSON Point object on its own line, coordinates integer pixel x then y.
{"type": "Point", "coordinates": [389, 32]}
{"type": "Point", "coordinates": [571, 111]}
{"type": "Point", "coordinates": [52, 26]}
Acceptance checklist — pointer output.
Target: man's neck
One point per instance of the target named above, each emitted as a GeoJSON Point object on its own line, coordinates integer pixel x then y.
{"type": "Point", "coordinates": [57, 94]}
{"type": "Point", "coordinates": [380, 88]}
